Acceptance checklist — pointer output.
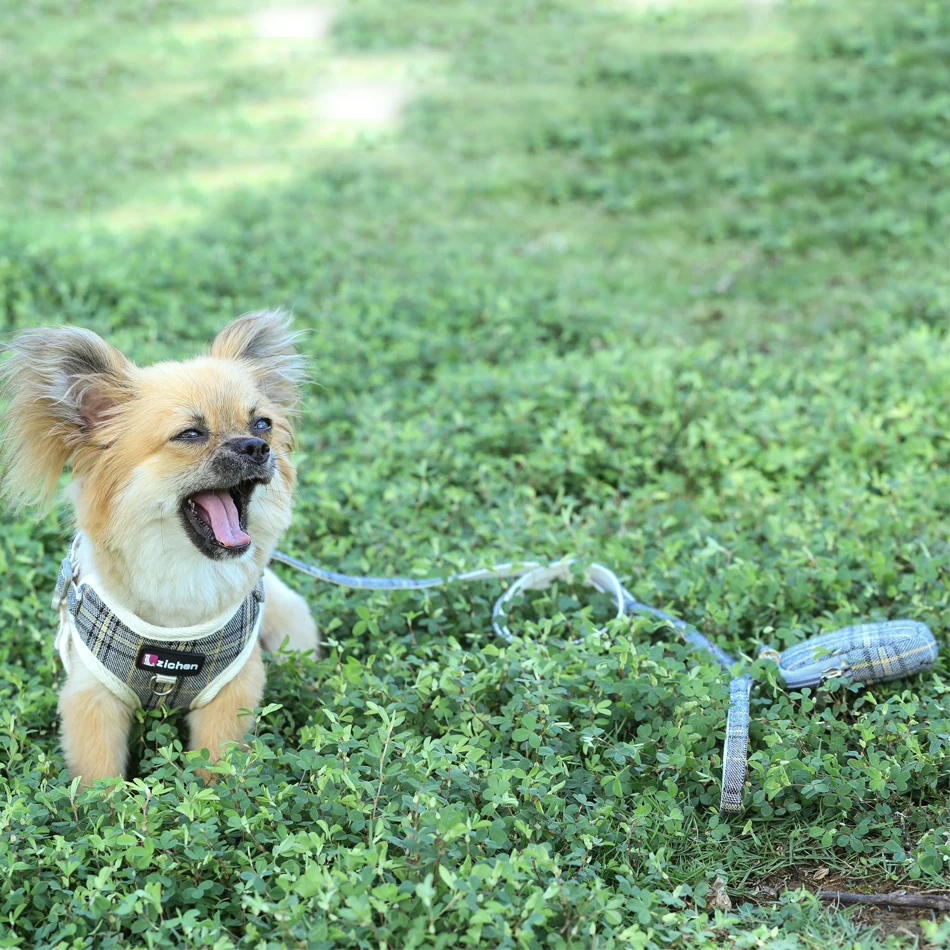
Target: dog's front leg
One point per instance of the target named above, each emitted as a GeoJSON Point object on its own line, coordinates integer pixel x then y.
{"type": "Point", "coordinates": [95, 727]}
{"type": "Point", "coordinates": [287, 618]}
{"type": "Point", "coordinates": [220, 721]}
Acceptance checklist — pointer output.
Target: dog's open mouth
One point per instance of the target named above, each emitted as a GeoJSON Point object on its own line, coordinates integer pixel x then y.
{"type": "Point", "coordinates": [216, 519]}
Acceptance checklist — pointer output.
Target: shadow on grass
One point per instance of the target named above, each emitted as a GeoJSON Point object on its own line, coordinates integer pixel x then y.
{"type": "Point", "coordinates": [479, 177]}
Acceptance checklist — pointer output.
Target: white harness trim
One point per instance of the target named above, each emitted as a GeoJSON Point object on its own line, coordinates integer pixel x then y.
{"type": "Point", "coordinates": [144, 664]}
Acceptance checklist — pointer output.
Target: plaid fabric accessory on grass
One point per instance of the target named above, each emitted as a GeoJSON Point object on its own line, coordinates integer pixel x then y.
{"type": "Point", "coordinates": [114, 652]}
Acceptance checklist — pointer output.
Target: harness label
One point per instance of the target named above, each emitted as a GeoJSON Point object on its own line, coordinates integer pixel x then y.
{"type": "Point", "coordinates": [170, 661]}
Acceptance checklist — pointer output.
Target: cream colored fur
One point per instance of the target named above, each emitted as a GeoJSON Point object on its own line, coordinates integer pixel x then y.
{"type": "Point", "coordinates": [73, 399]}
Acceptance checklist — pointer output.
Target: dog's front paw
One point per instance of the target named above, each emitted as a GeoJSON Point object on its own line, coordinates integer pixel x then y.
{"type": "Point", "coordinates": [287, 624]}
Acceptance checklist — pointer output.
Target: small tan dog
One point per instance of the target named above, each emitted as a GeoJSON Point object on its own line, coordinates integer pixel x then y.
{"type": "Point", "coordinates": [182, 486]}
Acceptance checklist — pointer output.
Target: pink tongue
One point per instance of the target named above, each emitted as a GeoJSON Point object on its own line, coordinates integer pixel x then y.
{"type": "Point", "coordinates": [218, 511]}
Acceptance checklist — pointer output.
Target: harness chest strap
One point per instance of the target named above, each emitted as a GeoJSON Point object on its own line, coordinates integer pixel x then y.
{"type": "Point", "coordinates": [141, 663]}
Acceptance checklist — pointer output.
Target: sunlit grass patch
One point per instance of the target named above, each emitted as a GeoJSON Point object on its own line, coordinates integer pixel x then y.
{"type": "Point", "coordinates": [159, 105]}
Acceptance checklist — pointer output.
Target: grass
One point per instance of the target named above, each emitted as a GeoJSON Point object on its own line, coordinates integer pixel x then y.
{"type": "Point", "coordinates": [662, 285]}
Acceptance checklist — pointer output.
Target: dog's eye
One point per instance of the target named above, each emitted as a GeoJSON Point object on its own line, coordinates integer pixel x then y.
{"type": "Point", "coordinates": [191, 435]}
{"type": "Point", "coordinates": [261, 425]}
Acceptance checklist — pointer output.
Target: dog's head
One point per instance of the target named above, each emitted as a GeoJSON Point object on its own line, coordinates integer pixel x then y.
{"type": "Point", "coordinates": [191, 459]}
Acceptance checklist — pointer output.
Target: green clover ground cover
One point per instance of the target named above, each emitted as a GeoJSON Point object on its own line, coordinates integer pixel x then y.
{"type": "Point", "coordinates": [663, 286]}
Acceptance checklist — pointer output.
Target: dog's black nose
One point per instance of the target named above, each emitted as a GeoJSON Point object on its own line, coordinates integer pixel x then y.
{"type": "Point", "coordinates": [257, 449]}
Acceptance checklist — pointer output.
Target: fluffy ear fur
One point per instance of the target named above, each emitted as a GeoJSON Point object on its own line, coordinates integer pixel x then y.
{"type": "Point", "coordinates": [265, 342]}
{"type": "Point", "coordinates": [62, 387]}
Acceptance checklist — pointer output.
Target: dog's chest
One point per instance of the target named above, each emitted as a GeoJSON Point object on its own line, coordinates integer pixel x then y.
{"type": "Point", "coordinates": [150, 666]}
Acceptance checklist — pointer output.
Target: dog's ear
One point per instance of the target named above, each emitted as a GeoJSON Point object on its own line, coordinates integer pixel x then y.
{"type": "Point", "coordinates": [63, 387]}
{"type": "Point", "coordinates": [265, 342]}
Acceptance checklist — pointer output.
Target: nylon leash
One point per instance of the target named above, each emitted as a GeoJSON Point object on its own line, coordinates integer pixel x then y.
{"type": "Point", "coordinates": [868, 653]}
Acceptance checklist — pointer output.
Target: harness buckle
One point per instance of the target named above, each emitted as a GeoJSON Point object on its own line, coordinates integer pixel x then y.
{"type": "Point", "coordinates": [63, 603]}
{"type": "Point", "coordinates": [160, 679]}
{"type": "Point", "coordinates": [71, 582]}
{"type": "Point", "coordinates": [76, 589]}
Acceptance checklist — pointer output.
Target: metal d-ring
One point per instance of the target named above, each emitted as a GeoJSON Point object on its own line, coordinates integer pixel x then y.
{"type": "Point", "coordinates": [170, 681]}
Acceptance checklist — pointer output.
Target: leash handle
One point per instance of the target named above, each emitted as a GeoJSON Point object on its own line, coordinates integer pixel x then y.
{"type": "Point", "coordinates": [866, 653]}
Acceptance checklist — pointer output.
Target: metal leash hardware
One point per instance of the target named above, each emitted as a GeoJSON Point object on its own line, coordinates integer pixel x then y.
{"type": "Point", "coordinates": [69, 575]}
{"type": "Point", "coordinates": [161, 679]}
{"type": "Point", "coordinates": [66, 582]}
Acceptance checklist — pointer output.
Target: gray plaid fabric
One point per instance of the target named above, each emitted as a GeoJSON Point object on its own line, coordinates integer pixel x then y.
{"type": "Point", "coordinates": [735, 750]}
{"type": "Point", "coordinates": [116, 647]}
{"type": "Point", "coordinates": [867, 653]}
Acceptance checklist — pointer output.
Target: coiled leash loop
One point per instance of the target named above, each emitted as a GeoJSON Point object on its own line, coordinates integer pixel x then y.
{"type": "Point", "coordinates": [868, 653]}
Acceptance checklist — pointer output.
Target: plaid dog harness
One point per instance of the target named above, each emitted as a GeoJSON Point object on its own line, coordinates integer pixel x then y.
{"type": "Point", "coordinates": [143, 664]}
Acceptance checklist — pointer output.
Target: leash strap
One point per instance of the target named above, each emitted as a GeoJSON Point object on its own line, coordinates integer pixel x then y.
{"type": "Point", "coordinates": [868, 653]}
